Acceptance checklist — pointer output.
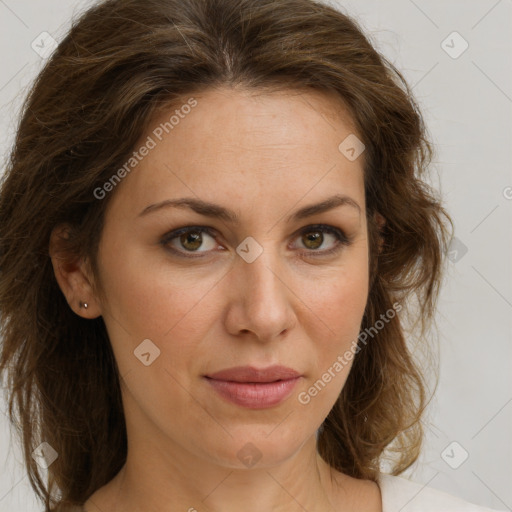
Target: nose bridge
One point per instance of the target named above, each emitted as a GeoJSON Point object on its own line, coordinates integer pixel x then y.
{"type": "Point", "coordinates": [263, 294]}
{"type": "Point", "coordinates": [261, 274]}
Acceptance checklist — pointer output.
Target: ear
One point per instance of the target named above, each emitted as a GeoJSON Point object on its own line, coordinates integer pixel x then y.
{"type": "Point", "coordinates": [73, 275]}
{"type": "Point", "coordinates": [380, 220]}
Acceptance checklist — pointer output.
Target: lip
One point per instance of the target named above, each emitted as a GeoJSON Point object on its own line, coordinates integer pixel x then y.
{"type": "Point", "coordinates": [254, 388]}
{"type": "Point", "coordinates": [251, 374]}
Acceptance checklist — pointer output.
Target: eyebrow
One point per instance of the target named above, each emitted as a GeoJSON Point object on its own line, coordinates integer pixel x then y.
{"type": "Point", "coordinates": [216, 211]}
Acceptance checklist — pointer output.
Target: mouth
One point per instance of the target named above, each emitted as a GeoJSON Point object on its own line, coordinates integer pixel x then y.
{"type": "Point", "coordinates": [254, 388]}
{"type": "Point", "coordinates": [249, 374]}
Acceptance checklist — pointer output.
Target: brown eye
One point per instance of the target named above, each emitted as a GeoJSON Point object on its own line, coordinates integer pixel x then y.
{"type": "Point", "coordinates": [191, 240]}
{"type": "Point", "coordinates": [199, 241]}
{"type": "Point", "coordinates": [316, 236]}
{"type": "Point", "coordinates": [313, 239]}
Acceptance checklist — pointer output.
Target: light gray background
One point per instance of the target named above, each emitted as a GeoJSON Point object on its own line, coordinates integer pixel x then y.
{"type": "Point", "coordinates": [467, 103]}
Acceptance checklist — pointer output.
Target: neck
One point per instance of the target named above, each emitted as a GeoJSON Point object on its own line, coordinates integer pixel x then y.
{"type": "Point", "coordinates": [153, 480]}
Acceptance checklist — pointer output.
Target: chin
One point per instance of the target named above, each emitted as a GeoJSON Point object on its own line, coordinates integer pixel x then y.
{"type": "Point", "coordinates": [257, 447]}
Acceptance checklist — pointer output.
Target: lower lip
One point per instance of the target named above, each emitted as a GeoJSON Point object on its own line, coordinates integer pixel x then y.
{"type": "Point", "coordinates": [254, 395]}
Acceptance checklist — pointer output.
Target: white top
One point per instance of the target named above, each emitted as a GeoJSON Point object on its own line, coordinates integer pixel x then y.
{"type": "Point", "coordinates": [402, 495]}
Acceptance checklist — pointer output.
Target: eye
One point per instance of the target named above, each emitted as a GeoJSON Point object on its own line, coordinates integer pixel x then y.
{"type": "Point", "coordinates": [187, 241]}
{"type": "Point", "coordinates": [312, 237]}
{"type": "Point", "coordinates": [191, 239]}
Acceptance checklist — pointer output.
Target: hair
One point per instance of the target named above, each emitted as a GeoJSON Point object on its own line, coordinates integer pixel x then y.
{"type": "Point", "coordinates": [121, 63]}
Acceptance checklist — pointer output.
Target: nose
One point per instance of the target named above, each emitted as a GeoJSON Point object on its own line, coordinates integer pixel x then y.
{"type": "Point", "coordinates": [261, 301]}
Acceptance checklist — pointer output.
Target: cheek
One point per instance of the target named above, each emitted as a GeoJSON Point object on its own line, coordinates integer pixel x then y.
{"type": "Point", "coordinates": [334, 315]}
{"type": "Point", "coordinates": [172, 309]}
{"type": "Point", "coordinates": [156, 300]}
{"type": "Point", "coordinates": [337, 301]}
{"type": "Point", "coordinates": [333, 327]}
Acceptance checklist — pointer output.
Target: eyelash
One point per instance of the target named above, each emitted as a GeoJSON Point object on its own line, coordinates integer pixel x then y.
{"type": "Point", "coordinates": [342, 240]}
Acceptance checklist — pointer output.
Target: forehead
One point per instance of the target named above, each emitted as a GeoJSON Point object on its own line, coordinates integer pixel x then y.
{"type": "Point", "coordinates": [239, 142]}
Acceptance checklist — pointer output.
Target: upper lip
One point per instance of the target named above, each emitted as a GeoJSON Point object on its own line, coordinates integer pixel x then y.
{"type": "Point", "coordinates": [251, 374]}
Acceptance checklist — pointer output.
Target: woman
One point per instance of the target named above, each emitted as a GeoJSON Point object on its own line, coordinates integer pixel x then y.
{"type": "Point", "coordinates": [212, 219]}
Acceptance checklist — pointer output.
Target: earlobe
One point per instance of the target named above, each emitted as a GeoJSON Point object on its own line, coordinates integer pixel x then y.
{"type": "Point", "coordinates": [72, 274]}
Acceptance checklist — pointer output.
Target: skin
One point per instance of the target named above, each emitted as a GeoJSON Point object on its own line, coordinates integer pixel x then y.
{"type": "Point", "coordinates": [263, 155]}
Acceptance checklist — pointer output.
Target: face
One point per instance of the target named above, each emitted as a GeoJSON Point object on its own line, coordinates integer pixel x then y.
{"type": "Point", "coordinates": [190, 292]}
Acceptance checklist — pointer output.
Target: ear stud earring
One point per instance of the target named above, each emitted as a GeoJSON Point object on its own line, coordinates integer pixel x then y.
{"type": "Point", "coordinates": [83, 305]}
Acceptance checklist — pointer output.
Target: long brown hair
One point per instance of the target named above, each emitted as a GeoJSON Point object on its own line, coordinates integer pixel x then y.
{"type": "Point", "coordinates": [121, 62]}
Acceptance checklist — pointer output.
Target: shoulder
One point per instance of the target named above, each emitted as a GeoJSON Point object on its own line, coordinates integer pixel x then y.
{"type": "Point", "coordinates": [400, 494]}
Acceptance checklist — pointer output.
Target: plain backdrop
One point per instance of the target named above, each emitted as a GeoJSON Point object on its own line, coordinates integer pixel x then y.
{"type": "Point", "coordinates": [457, 57]}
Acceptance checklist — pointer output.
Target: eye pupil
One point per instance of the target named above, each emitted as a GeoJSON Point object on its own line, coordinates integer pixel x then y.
{"type": "Point", "coordinates": [196, 240]}
{"type": "Point", "coordinates": [316, 237]}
